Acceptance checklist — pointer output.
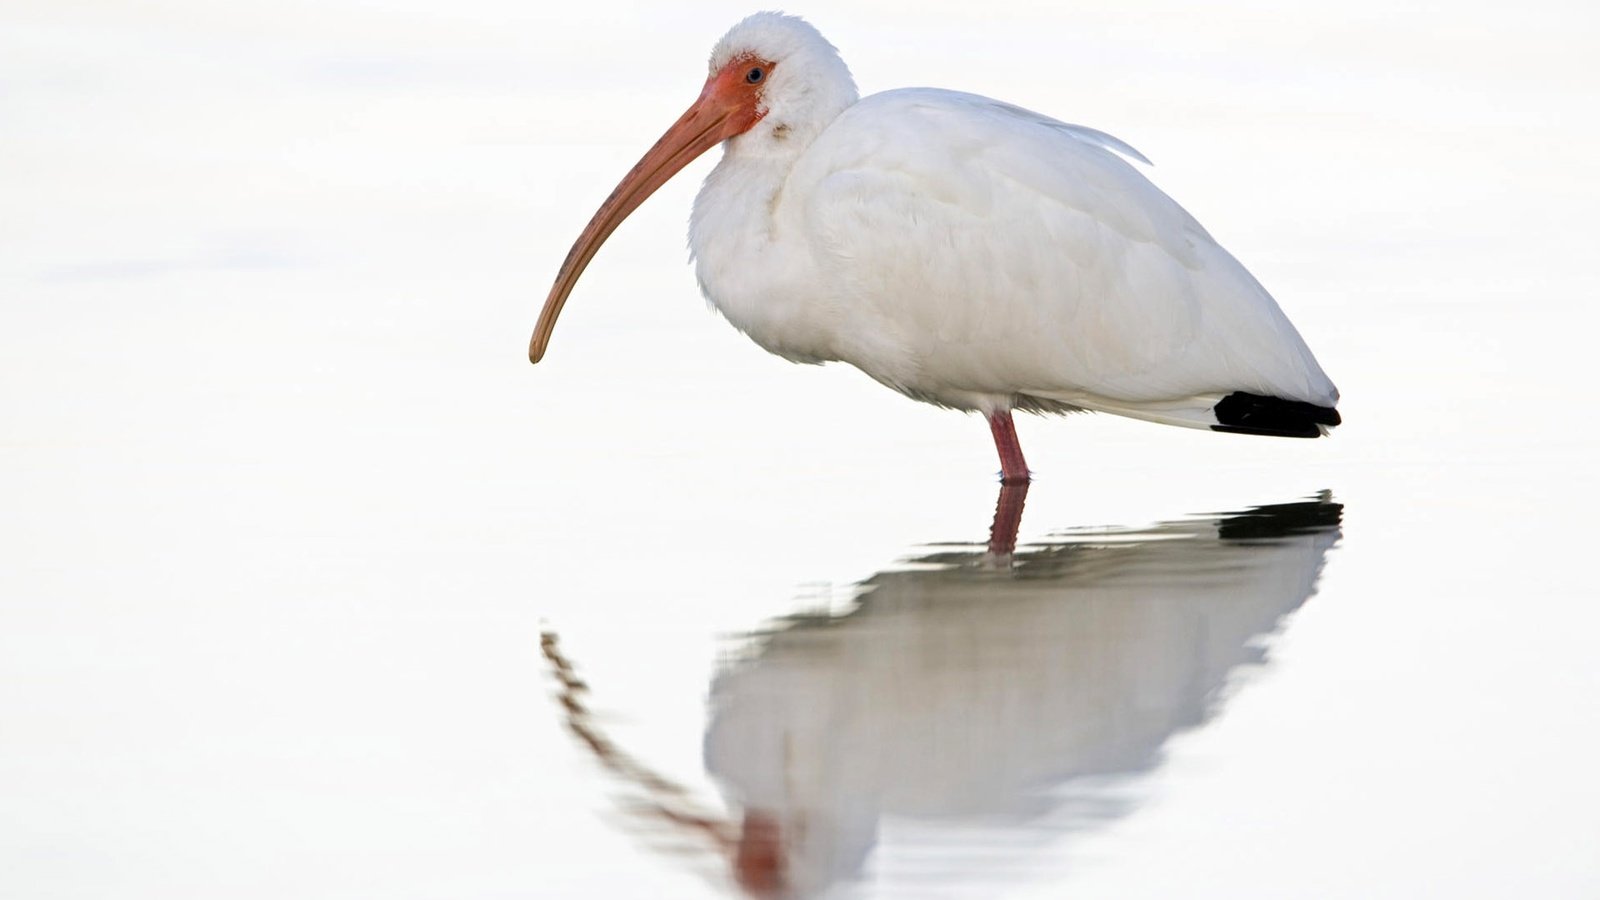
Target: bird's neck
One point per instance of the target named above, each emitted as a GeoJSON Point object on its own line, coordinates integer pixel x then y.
{"type": "Point", "coordinates": [740, 198]}
{"type": "Point", "coordinates": [734, 223]}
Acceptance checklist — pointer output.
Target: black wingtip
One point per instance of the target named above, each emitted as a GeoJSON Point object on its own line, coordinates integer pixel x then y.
{"type": "Point", "coordinates": [1244, 413]}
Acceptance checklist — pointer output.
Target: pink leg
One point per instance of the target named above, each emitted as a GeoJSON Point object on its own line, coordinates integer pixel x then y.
{"type": "Point", "coordinates": [1013, 468]}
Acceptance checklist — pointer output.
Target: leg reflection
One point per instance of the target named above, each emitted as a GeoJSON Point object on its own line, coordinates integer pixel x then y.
{"type": "Point", "coordinates": [1007, 519]}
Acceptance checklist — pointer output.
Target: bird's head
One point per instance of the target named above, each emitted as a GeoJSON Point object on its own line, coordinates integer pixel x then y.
{"type": "Point", "coordinates": [804, 87]}
{"type": "Point", "coordinates": [775, 83]}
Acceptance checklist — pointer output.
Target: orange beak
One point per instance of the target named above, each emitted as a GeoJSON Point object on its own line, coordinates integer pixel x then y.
{"type": "Point", "coordinates": [725, 109]}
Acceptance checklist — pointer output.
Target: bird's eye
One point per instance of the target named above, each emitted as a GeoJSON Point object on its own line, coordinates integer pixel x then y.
{"type": "Point", "coordinates": [755, 75]}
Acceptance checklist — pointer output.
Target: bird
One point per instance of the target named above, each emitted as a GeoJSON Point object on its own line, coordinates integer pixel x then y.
{"type": "Point", "coordinates": [963, 251]}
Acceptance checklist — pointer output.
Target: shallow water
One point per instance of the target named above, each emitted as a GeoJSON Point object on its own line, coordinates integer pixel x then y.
{"type": "Point", "coordinates": [296, 539]}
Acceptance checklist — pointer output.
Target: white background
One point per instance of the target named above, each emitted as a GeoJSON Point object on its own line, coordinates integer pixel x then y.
{"type": "Point", "coordinates": [284, 508]}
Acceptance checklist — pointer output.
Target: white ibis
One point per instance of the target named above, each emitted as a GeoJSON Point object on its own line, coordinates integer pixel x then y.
{"type": "Point", "coordinates": [963, 251]}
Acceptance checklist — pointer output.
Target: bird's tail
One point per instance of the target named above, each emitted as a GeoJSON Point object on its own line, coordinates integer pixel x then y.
{"type": "Point", "coordinates": [1244, 413]}
{"type": "Point", "coordinates": [1238, 412]}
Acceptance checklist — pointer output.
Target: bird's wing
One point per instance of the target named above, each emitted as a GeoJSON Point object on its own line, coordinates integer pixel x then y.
{"type": "Point", "coordinates": [998, 249]}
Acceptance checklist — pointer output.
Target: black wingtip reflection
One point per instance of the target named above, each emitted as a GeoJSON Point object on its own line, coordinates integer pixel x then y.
{"type": "Point", "coordinates": [1282, 520]}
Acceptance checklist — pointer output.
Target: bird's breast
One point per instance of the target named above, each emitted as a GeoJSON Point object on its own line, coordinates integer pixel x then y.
{"type": "Point", "coordinates": [759, 274]}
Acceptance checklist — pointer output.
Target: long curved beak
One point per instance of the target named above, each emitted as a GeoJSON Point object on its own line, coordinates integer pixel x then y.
{"type": "Point", "coordinates": [711, 120]}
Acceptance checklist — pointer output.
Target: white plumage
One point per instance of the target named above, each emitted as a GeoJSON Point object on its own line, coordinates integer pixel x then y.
{"type": "Point", "coordinates": [964, 251]}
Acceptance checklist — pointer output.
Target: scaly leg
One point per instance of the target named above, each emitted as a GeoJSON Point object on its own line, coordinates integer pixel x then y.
{"type": "Point", "coordinates": [1013, 468]}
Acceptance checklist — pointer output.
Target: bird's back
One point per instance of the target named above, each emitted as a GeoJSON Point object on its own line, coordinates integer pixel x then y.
{"type": "Point", "coordinates": [975, 253]}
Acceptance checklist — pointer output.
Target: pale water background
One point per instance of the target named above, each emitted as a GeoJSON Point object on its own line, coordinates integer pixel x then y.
{"type": "Point", "coordinates": [285, 511]}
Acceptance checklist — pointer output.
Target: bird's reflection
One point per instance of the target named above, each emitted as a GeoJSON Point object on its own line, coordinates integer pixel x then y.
{"type": "Point", "coordinates": [975, 684]}
{"type": "Point", "coordinates": [958, 688]}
